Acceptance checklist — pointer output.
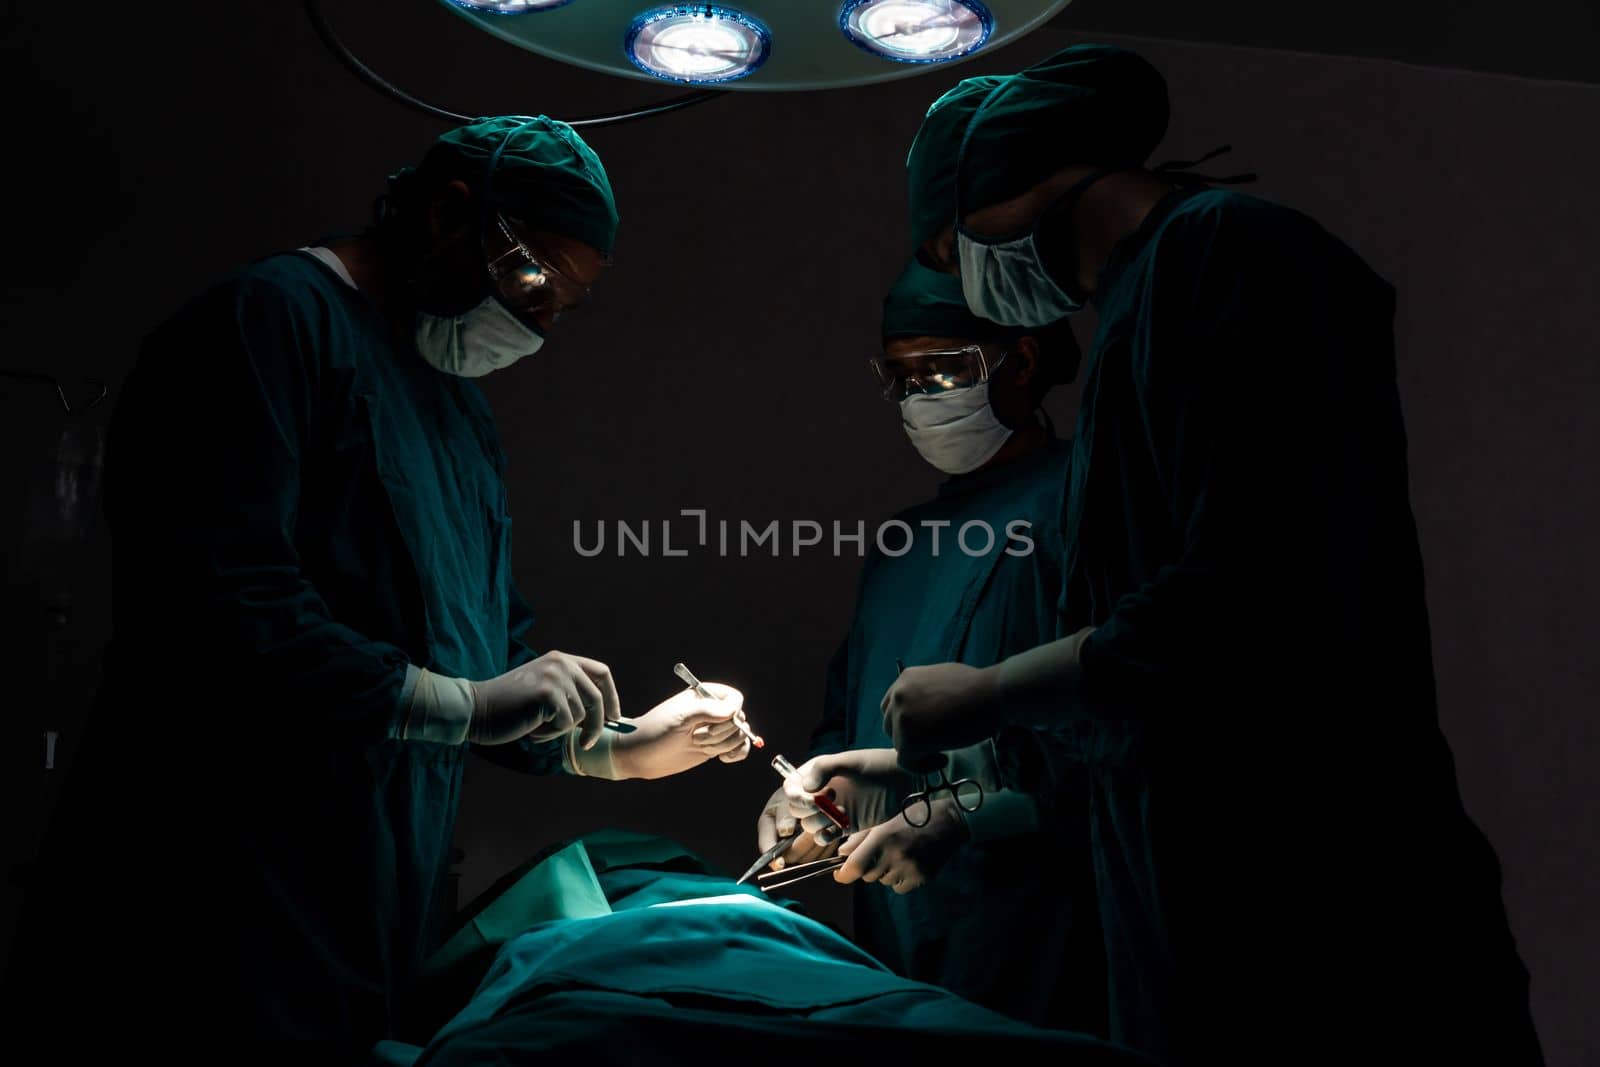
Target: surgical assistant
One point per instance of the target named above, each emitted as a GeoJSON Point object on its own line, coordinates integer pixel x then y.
{"type": "Point", "coordinates": [965, 901]}
{"type": "Point", "coordinates": [315, 618]}
{"type": "Point", "coordinates": [1280, 848]}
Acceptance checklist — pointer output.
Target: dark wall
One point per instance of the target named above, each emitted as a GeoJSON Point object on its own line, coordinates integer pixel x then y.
{"type": "Point", "coordinates": [1538, 39]}
{"type": "Point", "coordinates": [722, 367]}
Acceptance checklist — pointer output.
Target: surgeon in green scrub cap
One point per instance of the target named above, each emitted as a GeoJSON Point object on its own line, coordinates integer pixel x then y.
{"type": "Point", "coordinates": [958, 901]}
{"type": "Point", "coordinates": [1283, 864]}
{"type": "Point", "coordinates": [931, 163]}
{"type": "Point", "coordinates": [315, 619]}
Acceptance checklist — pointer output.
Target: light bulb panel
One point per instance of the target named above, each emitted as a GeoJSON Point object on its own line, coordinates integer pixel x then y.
{"type": "Point", "coordinates": [917, 31]}
{"type": "Point", "coordinates": [778, 45]}
{"type": "Point", "coordinates": [697, 44]}
{"type": "Point", "coordinates": [509, 7]}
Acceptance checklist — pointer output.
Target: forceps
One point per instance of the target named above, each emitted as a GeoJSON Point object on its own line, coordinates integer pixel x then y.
{"type": "Point", "coordinates": [798, 873]}
{"type": "Point", "coordinates": [768, 856]}
{"type": "Point", "coordinates": [824, 802]}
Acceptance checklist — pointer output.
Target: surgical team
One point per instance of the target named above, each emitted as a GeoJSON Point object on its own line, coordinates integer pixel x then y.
{"type": "Point", "coordinates": [1217, 811]}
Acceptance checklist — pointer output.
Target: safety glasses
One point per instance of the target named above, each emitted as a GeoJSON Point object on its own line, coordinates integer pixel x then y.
{"type": "Point", "coordinates": [935, 371]}
{"type": "Point", "coordinates": [524, 279]}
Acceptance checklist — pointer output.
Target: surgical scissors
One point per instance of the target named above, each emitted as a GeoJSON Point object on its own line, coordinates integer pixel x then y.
{"type": "Point", "coordinates": [917, 809]}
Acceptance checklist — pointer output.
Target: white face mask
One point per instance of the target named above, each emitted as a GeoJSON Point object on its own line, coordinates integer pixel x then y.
{"type": "Point", "coordinates": [1007, 283]}
{"type": "Point", "coordinates": [955, 431]}
{"type": "Point", "coordinates": [482, 339]}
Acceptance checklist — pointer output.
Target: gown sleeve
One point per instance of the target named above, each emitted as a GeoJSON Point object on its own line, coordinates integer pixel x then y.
{"type": "Point", "coordinates": [832, 732]}
{"type": "Point", "coordinates": [208, 450]}
{"type": "Point", "coordinates": [518, 625]}
{"type": "Point", "coordinates": [1263, 385]}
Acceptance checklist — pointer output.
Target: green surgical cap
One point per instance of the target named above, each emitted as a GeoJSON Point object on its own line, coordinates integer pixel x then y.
{"type": "Point", "coordinates": [545, 175]}
{"type": "Point", "coordinates": [1089, 104]}
{"type": "Point", "coordinates": [931, 163]}
{"type": "Point", "coordinates": [928, 303]}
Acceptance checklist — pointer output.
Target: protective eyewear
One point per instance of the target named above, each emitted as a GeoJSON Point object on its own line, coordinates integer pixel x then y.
{"type": "Point", "coordinates": [524, 280]}
{"type": "Point", "coordinates": [935, 372]}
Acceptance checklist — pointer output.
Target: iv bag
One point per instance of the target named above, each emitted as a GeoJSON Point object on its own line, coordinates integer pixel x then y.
{"type": "Point", "coordinates": [63, 493]}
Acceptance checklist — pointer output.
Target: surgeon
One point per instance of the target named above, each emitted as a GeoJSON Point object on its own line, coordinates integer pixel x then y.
{"type": "Point", "coordinates": [1285, 871]}
{"type": "Point", "coordinates": [315, 620]}
{"type": "Point", "coordinates": [945, 896]}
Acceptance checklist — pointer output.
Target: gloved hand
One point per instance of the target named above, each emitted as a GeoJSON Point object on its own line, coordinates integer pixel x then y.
{"type": "Point", "coordinates": [866, 782]}
{"type": "Point", "coordinates": [901, 856]}
{"type": "Point", "coordinates": [676, 735]}
{"type": "Point", "coordinates": [776, 822]}
{"type": "Point", "coordinates": [544, 699]}
{"type": "Point", "coordinates": [935, 709]}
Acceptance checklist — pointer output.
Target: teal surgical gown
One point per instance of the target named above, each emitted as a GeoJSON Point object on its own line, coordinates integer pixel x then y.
{"type": "Point", "coordinates": [1008, 923]}
{"type": "Point", "coordinates": [1281, 851]}
{"type": "Point", "coordinates": [300, 507]}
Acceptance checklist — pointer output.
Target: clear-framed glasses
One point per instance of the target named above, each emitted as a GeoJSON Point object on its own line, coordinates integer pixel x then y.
{"type": "Point", "coordinates": [935, 371]}
{"type": "Point", "coordinates": [918, 807]}
{"type": "Point", "coordinates": [525, 280]}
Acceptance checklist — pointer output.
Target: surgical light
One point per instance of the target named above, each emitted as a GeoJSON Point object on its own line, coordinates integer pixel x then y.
{"type": "Point", "coordinates": [760, 46]}
{"type": "Point", "coordinates": [509, 7]}
{"type": "Point", "coordinates": [917, 31]}
{"type": "Point", "coordinates": [699, 44]}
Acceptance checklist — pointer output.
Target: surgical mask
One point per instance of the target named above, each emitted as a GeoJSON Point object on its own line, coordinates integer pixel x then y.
{"type": "Point", "coordinates": [1006, 281]}
{"type": "Point", "coordinates": [484, 338]}
{"type": "Point", "coordinates": [955, 431]}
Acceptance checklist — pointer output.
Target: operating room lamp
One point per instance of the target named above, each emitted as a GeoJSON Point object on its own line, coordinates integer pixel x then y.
{"type": "Point", "coordinates": [742, 45]}
{"type": "Point", "coordinates": [772, 45]}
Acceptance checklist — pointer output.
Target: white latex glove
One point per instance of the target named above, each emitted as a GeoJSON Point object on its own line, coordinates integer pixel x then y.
{"type": "Point", "coordinates": [929, 710]}
{"type": "Point", "coordinates": [676, 735]}
{"type": "Point", "coordinates": [947, 706]}
{"type": "Point", "coordinates": [544, 699]}
{"type": "Point", "coordinates": [901, 856]}
{"type": "Point", "coordinates": [866, 782]}
{"type": "Point", "coordinates": [777, 822]}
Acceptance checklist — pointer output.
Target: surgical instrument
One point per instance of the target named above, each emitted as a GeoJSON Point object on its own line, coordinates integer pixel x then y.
{"type": "Point", "coordinates": [687, 677]}
{"type": "Point", "coordinates": [917, 809]}
{"type": "Point", "coordinates": [768, 856]}
{"type": "Point", "coordinates": [771, 854]}
{"type": "Point", "coordinates": [799, 873]}
{"type": "Point", "coordinates": [821, 799]}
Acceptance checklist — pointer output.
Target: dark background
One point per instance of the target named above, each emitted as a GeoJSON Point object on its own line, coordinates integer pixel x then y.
{"type": "Point", "coordinates": [154, 148]}
{"type": "Point", "coordinates": [1552, 39]}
